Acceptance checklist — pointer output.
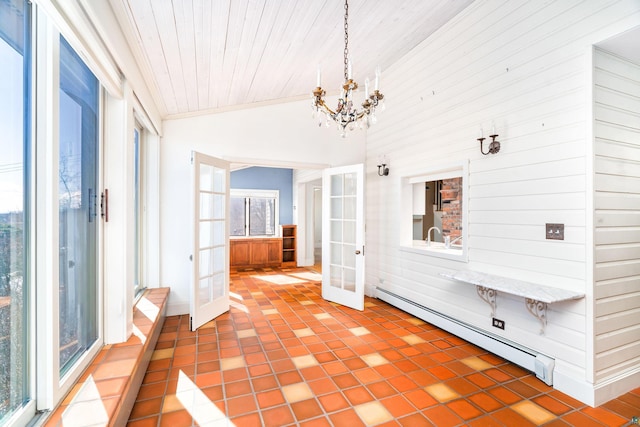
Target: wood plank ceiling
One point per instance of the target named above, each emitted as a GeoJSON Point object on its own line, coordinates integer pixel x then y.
{"type": "Point", "coordinates": [216, 55]}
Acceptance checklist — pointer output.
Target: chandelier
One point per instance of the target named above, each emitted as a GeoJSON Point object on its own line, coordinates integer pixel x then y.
{"type": "Point", "coordinates": [346, 114]}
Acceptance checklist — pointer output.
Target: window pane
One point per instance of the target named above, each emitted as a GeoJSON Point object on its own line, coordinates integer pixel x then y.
{"type": "Point", "coordinates": [78, 165]}
{"type": "Point", "coordinates": [262, 217]}
{"type": "Point", "coordinates": [237, 217]}
{"type": "Point", "coordinates": [14, 82]}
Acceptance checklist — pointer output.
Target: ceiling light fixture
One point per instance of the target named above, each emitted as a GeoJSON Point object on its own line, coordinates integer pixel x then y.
{"type": "Point", "coordinates": [346, 115]}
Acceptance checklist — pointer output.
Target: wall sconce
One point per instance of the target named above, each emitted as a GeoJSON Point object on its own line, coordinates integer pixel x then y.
{"type": "Point", "coordinates": [494, 146]}
{"type": "Point", "coordinates": [383, 170]}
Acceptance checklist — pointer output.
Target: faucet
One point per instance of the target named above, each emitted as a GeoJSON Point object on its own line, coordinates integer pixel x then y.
{"type": "Point", "coordinates": [429, 234]}
{"type": "Point", "coordinates": [448, 242]}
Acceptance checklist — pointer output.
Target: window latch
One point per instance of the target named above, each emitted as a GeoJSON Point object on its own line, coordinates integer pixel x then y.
{"type": "Point", "coordinates": [92, 205]}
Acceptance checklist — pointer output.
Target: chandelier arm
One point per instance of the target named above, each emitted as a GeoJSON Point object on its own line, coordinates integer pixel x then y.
{"type": "Point", "coordinates": [320, 103]}
{"type": "Point", "coordinates": [326, 107]}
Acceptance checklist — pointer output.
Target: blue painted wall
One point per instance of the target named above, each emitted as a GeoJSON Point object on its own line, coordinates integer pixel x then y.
{"type": "Point", "coordinates": [260, 178]}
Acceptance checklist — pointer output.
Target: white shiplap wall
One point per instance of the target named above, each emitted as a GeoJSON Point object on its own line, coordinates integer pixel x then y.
{"type": "Point", "coordinates": [526, 67]}
{"type": "Point", "coordinates": [617, 214]}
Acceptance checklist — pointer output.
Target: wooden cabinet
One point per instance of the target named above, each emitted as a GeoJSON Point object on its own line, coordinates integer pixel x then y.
{"type": "Point", "coordinates": [239, 252]}
{"type": "Point", "coordinates": [258, 252]}
{"type": "Point", "coordinates": [289, 246]}
{"type": "Point", "coordinates": [265, 252]}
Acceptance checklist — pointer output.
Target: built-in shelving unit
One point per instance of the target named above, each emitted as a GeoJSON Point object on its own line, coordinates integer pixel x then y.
{"type": "Point", "coordinates": [289, 245]}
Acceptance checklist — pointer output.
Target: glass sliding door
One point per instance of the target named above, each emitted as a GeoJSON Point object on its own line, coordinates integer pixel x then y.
{"type": "Point", "coordinates": [77, 198]}
{"type": "Point", "coordinates": [14, 218]}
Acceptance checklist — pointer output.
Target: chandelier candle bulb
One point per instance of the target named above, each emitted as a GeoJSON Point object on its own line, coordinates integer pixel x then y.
{"type": "Point", "coordinates": [319, 77]}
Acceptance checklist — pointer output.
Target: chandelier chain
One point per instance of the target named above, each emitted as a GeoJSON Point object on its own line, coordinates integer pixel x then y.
{"type": "Point", "coordinates": [346, 41]}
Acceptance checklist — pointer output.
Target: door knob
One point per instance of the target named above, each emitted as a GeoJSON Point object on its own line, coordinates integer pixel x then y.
{"type": "Point", "coordinates": [357, 252]}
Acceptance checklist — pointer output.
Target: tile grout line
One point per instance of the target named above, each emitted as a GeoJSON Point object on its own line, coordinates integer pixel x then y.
{"type": "Point", "coordinates": [277, 298]}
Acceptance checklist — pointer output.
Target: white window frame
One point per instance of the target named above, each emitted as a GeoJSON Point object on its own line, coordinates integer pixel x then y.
{"type": "Point", "coordinates": [23, 414]}
{"type": "Point", "coordinates": [264, 194]}
{"type": "Point", "coordinates": [138, 284]}
{"type": "Point", "coordinates": [50, 386]}
{"type": "Point", "coordinates": [409, 195]}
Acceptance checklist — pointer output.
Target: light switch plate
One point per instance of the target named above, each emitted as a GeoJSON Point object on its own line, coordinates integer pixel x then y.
{"type": "Point", "coordinates": [554, 231]}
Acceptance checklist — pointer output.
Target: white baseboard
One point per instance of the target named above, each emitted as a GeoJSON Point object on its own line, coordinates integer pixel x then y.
{"type": "Point", "coordinates": [567, 381]}
{"type": "Point", "coordinates": [177, 309]}
{"type": "Point", "coordinates": [570, 381]}
{"type": "Point", "coordinates": [370, 290]}
{"type": "Point", "coordinates": [614, 387]}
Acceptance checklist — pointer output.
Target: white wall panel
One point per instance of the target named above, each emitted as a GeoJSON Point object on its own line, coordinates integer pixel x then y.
{"type": "Point", "coordinates": [617, 214]}
{"type": "Point", "coordinates": [618, 286]}
{"type": "Point", "coordinates": [524, 67]}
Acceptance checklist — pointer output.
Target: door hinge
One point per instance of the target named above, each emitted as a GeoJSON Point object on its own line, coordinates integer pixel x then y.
{"type": "Point", "coordinates": [190, 323]}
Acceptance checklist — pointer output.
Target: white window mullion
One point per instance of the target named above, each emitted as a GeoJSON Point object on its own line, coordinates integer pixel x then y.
{"type": "Point", "coordinates": [47, 267]}
{"type": "Point", "coordinates": [247, 210]}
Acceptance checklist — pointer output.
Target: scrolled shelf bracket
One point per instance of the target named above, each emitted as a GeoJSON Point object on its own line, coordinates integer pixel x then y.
{"type": "Point", "coordinates": [538, 309]}
{"type": "Point", "coordinates": [488, 295]}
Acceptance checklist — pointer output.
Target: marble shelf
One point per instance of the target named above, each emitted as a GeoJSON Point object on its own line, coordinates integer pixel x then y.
{"type": "Point", "coordinates": [536, 296]}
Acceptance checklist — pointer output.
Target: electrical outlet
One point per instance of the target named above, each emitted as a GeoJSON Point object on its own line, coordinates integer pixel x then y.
{"type": "Point", "coordinates": [554, 231]}
{"type": "Point", "coordinates": [497, 323]}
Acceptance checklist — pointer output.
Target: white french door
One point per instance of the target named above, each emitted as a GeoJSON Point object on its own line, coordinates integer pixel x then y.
{"type": "Point", "coordinates": [210, 277]}
{"type": "Point", "coordinates": [343, 235]}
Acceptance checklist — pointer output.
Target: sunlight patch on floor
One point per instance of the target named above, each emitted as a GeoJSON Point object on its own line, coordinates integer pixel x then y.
{"type": "Point", "coordinates": [308, 276]}
{"type": "Point", "coordinates": [233, 296]}
{"type": "Point", "coordinates": [86, 405]}
{"type": "Point", "coordinates": [279, 279]}
{"type": "Point", "coordinates": [149, 309]}
{"type": "Point", "coordinates": [203, 411]}
{"type": "Point", "coordinates": [138, 333]}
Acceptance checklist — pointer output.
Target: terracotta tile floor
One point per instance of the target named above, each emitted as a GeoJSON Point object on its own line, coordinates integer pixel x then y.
{"type": "Point", "coordinates": [284, 356]}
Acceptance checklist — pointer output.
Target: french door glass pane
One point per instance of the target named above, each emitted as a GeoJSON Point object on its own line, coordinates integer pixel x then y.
{"type": "Point", "coordinates": [77, 198]}
{"type": "Point", "coordinates": [14, 143]}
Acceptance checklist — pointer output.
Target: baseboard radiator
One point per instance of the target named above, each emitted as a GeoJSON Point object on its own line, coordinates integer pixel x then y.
{"type": "Point", "coordinates": [529, 359]}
